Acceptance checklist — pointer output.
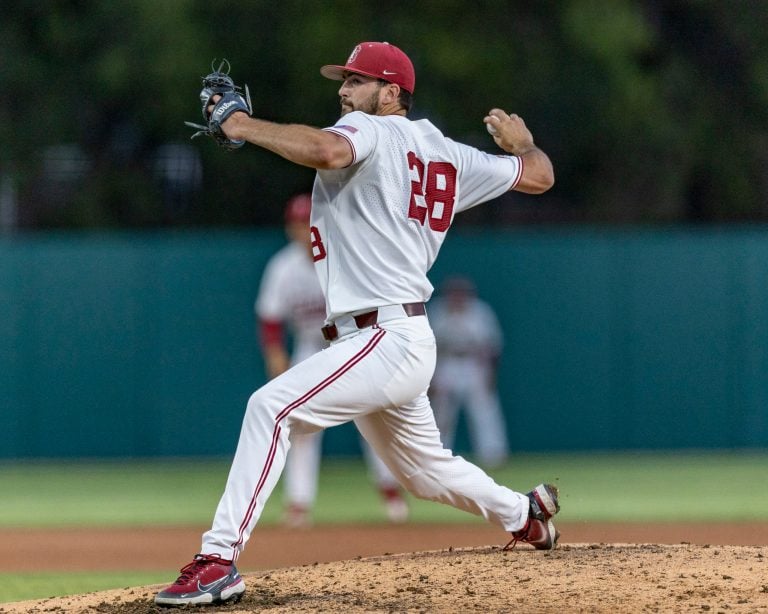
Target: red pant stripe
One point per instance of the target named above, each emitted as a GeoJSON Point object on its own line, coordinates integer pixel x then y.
{"type": "Point", "coordinates": [276, 433]}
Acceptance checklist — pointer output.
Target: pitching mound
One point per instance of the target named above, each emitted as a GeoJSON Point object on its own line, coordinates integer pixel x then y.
{"type": "Point", "coordinates": [574, 578]}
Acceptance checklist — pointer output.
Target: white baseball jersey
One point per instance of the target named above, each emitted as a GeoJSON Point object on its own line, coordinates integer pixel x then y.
{"type": "Point", "coordinates": [289, 293]}
{"type": "Point", "coordinates": [375, 240]}
{"type": "Point", "coordinates": [376, 229]}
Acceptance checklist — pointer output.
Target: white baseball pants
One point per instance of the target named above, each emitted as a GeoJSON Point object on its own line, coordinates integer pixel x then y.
{"type": "Point", "coordinates": [378, 377]}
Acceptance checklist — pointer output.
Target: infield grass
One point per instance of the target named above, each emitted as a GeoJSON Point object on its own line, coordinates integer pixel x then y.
{"type": "Point", "coordinates": [42, 585]}
{"type": "Point", "coordinates": [593, 487]}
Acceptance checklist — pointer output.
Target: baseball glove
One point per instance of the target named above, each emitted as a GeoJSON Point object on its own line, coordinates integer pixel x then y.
{"type": "Point", "coordinates": [220, 83]}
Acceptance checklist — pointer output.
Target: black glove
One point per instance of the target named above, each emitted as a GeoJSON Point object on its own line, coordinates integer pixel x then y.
{"type": "Point", "coordinates": [232, 100]}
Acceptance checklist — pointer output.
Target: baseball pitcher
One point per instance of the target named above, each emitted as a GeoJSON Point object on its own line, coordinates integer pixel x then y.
{"type": "Point", "coordinates": [386, 191]}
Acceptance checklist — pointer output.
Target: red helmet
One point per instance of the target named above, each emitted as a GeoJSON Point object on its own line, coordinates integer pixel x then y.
{"type": "Point", "coordinates": [298, 208]}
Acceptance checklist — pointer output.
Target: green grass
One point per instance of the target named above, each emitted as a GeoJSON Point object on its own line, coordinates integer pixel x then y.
{"type": "Point", "coordinates": [706, 487]}
{"type": "Point", "coordinates": [22, 587]}
{"type": "Point", "coordinates": [38, 494]}
{"type": "Point", "coordinates": [594, 487]}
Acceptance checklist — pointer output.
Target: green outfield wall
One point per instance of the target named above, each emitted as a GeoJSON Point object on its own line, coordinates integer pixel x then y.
{"type": "Point", "coordinates": [116, 345]}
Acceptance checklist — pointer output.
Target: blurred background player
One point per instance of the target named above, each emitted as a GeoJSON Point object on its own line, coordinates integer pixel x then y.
{"type": "Point", "coordinates": [290, 297]}
{"type": "Point", "coordinates": [469, 342]}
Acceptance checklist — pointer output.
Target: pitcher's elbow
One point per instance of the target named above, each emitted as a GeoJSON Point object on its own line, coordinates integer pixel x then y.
{"type": "Point", "coordinates": [549, 181]}
{"type": "Point", "coordinates": [541, 184]}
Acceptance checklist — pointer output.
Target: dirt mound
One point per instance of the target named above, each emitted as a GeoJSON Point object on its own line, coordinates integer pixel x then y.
{"type": "Point", "coordinates": [573, 578]}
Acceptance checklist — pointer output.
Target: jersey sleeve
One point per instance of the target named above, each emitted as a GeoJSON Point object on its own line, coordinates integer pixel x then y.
{"type": "Point", "coordinates": [485, 176]}
{"type": "Point", "coordinates": [359, 131]}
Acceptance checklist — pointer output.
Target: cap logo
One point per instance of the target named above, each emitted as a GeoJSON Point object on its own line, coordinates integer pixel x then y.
{"type": "Point", "coordinates": [388, 72]}
{"type": "Point", "coordinates": [354, 54]}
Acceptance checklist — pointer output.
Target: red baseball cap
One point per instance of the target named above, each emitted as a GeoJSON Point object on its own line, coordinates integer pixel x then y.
{"type": "Point", "coordinates": [298, 208]}
{"type": "Point", "coordinates": [379, 60]}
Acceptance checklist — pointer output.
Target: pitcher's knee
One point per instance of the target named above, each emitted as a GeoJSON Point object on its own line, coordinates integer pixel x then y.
{"type": "Point", "coordinates": [255, 401]}
{"type": "Point", "coordinates": [259, 407]}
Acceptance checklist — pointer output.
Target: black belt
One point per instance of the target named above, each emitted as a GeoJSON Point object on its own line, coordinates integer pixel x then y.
{"type": "Point", "coordinates": [369, 318]}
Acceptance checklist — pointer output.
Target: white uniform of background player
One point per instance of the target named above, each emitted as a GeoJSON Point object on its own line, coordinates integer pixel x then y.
{"type": "Point", "coordinates": [290, 297]}
{"type": "Point", "coordinates": [469, 342]}
{"type": "Point", "coordinates": [385, 194]}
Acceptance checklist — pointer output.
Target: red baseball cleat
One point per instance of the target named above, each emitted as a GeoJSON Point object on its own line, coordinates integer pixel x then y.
{"type": "Point", "coordinates": [544, 503]}
{"type": "Point", "coordinates": [207, 579]}
{"type": "Point", "coordinates": [541, 534]}
{"type": "Point", "coordinates": [539, 530]}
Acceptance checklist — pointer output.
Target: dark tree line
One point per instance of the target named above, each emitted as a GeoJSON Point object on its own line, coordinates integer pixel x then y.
{"type": "Point", "coordinates": [652, 110]}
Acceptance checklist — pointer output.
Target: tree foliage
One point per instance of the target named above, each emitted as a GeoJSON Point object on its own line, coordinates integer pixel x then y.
{"type": "Point", "coordinates": [652, 110]}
